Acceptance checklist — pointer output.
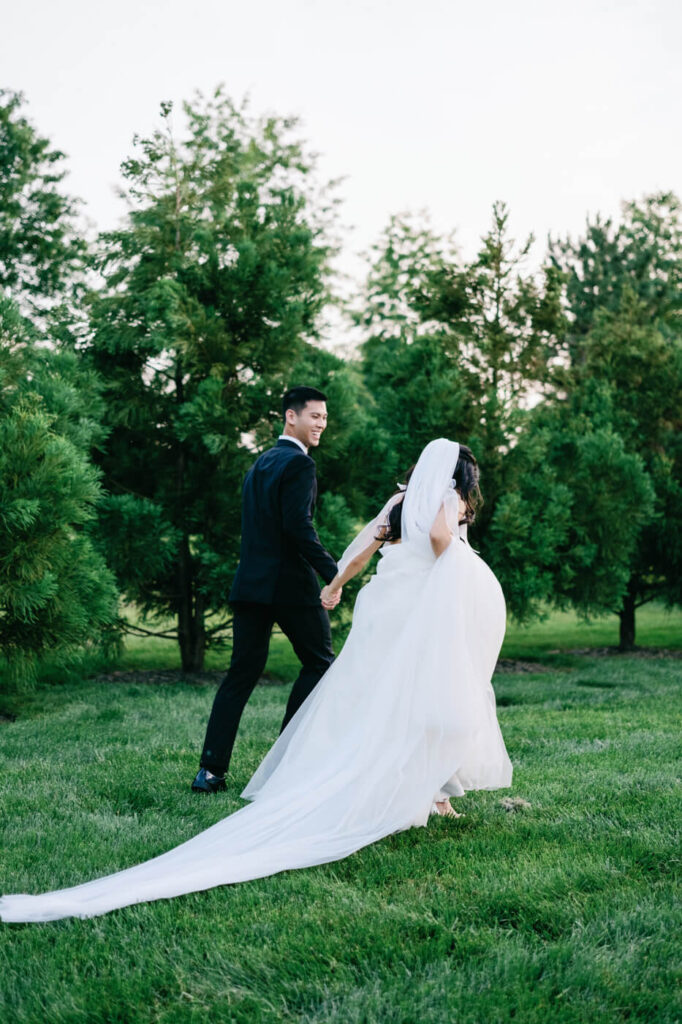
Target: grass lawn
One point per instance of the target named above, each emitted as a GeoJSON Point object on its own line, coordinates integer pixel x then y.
{"type": "Point", "coordinates": [566, 910]}
{"type": "Point", "coordinates": [656, 627]}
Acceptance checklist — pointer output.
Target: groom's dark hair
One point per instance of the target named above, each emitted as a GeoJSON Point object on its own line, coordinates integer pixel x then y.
{"type": "Point", "coordinates": [296, 399]}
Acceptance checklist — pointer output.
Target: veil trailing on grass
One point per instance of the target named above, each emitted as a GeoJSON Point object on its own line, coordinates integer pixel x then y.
{"type": "Point", "coordinates": [405, 713]}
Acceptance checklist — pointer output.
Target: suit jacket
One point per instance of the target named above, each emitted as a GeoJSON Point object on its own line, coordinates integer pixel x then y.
{"type": "Point", "coordinates": [280, 550]}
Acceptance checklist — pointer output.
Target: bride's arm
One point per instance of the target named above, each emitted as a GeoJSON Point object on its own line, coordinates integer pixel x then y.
{"type": "Point", "coordinates": [330, 593]}
{"type": "Point", "coordinates": [440, 534]}
{"type": "Point", "coordinates": [446, 525]}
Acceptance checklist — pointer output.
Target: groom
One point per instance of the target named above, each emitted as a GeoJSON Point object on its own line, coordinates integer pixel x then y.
{"type": "Point", "coordinates": [275, 580]}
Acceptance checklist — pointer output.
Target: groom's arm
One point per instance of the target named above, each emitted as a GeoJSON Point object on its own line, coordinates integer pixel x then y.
{"type": "Point", "coordinates": [296, 497]}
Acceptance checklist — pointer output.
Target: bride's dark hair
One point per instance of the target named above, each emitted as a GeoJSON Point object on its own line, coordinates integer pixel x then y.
{"type": "Point", "coordinates": [466, 476]}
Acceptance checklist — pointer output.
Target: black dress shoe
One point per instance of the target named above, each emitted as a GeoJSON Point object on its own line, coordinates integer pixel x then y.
{"type": "Point", "coordinates": [207, 782]}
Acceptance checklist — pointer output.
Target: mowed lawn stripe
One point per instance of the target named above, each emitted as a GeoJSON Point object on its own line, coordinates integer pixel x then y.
{"type": "Point", "coordinates": [564, 907]}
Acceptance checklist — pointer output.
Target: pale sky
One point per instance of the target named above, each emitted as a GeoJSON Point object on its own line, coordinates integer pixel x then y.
{"type": "Point", "coordinates": [558, 108]}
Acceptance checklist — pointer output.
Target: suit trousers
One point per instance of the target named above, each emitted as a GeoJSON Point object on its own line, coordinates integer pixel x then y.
{"type": "Point", "coordinates": [309, 632]}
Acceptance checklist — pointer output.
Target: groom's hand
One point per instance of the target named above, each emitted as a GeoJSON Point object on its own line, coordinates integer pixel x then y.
{"type": "Point", "coordinates": [330, 598]}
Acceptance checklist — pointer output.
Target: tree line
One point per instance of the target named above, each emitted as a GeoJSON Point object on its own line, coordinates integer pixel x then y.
{"type": "Point", "coordinates": [140, 372]}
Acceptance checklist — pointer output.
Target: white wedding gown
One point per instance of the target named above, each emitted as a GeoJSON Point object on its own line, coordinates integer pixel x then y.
{"type": "Point", "coordinates": [404, 715]}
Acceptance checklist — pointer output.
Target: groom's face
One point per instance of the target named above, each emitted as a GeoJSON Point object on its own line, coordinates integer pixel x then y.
{"type": "Point", "coordinates": [308, 424]}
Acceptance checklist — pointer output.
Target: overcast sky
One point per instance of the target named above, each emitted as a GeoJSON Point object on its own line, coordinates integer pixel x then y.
{"type": "Point", "coordinates": [559, 108]}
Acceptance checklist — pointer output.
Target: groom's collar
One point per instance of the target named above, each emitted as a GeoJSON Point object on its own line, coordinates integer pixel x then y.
{"type": "Point", "coordinates": [294, 440]}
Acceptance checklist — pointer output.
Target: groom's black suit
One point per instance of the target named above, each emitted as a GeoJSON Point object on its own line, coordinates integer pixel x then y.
{"type": "Point", "coordinates": [275, 583]}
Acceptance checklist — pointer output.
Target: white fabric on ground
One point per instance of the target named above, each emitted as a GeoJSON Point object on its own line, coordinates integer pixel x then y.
{"type": "Point", "coordinates": [405, 714]}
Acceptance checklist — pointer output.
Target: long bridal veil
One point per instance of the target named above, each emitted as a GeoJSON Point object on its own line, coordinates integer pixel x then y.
{"type": "Point", "coordinates": [405, 712]}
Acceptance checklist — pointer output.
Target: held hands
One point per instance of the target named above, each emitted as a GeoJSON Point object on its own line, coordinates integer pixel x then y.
{"type": "Point", "coordinates": [330, 598]}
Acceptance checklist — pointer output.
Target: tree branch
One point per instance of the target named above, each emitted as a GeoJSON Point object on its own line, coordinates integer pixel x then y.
{"type": "Point", "coordinates": [128, 627]}
{"type": "Point", "coordinates": [216, 629]}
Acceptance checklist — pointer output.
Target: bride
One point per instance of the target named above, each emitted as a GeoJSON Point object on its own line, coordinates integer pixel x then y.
{"type": "Point", "coordinates": [403, 719]}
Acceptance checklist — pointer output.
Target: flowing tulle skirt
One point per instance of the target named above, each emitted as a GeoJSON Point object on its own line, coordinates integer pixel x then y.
{"type": "Point", "coordinates": [405, 714]}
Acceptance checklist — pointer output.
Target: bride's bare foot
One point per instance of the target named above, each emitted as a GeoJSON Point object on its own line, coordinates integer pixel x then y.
{"type": "Point", "coordinates": [445, 808]}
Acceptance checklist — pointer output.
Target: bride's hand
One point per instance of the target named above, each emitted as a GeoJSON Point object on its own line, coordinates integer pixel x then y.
{"type": "Point", "coordinates": [330, 598]}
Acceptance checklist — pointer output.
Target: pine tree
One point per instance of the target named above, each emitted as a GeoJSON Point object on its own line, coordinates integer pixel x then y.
{"type": "Point", "coordinates": [56, 593]}
{"type": "Point", "coordinates": [42, 249]}
{"type": "Point", "coordinates": [624, 331]}
{"type": "Point", "coordinates": [210, 289]}
{"type": "Point", "coordinates": [462, 350]}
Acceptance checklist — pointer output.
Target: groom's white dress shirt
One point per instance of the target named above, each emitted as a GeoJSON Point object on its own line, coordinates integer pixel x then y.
{"type": "Point", "coordinates": [288, 437]}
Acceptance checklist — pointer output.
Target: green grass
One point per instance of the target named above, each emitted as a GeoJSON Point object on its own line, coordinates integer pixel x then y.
{"type": "Point", "coordinates": [563, 911]}
{"type": "Point", "coordinates": [656, 627]}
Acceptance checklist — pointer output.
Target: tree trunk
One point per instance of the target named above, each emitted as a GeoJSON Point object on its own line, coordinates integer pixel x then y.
{"type": "Point", "coordinates": [192, 638]}
{"type": "Point", "coordinates": [191, 605]}
{"type": "Point", "coordinates": [191, 608]}
{"type": "Point", "coordinates": [627, 618]}
{"type": "Point", "coordinates": [198, 633]}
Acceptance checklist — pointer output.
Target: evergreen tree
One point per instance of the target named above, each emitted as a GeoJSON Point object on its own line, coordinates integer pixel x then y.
{"type": "Point", "coordinates": [42, 251]}
{"type": "Point", "coordinates": [210, 289]}
{"type": "Point", "coordinates": [56, 593]}
{"type": "Point", "coordinates": [566, 528]}
{"type": "Point", "coordinates": [462, 350]}
{"type": "Point", "coordinates": [504, 323]}
{"type": "Point", "coordinates": [640, 254]}
{"type": "Point", "coordinates": [415, 383]}
{"type": "Point", "coordinates": [624, 330]}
